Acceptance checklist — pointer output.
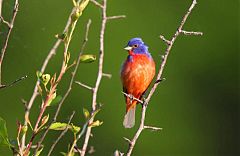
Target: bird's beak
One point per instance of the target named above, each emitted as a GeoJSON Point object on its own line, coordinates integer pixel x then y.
{"type": "Point", "coordinates": [128, 48]}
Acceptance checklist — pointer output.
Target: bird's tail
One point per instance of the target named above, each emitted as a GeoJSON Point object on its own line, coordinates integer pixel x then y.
{"type": "Point", "coordinates": [129, 118]}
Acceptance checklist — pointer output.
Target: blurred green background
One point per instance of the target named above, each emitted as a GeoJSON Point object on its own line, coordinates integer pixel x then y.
{"type": "Point", "coordinates": [197, 106]}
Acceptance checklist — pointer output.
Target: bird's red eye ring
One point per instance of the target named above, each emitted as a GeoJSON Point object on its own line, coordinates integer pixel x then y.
{"type": "Point", "coordinates": [135, 45]}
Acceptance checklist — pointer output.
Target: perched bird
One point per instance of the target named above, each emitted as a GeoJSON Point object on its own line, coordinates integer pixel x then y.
{"type": "Point", "coordinates": [136, 75]}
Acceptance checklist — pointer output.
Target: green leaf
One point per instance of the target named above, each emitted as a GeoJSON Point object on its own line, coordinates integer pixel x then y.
{"type": "Point", "coordinates": [58, 126]}
{"type": "Point", "coordinates": [39, 74]}
{"type": "Point", "coordinates": [4, 141]}
{"type": "Point", "coordinates": [86, 113]}
{"type": "Point", "coordinates": [56, 100]}
{"type": "Point", "coordinates": [39, 151]}
{"type": "Point", "coordinates": [87, 58]}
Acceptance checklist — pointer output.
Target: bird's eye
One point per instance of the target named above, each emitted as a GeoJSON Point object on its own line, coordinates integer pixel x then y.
{"type": "Point", "coordinates": [135, 45]}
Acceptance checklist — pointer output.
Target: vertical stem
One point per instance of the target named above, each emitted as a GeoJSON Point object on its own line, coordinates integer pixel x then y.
{"type": "Point", "coordinates": [100, 67]}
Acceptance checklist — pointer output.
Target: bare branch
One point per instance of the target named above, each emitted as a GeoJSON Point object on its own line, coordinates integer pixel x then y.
{"type": "Point", "coordinates": [116, 17]}
{"type": "Point", "coordinates": [159, 75]}
{"type": "Point", "coordinates": [84, 85]}
{"type": "Point", "coordinates": [152, 128]}
{"type": "Point", "coordinates": [118, 153]}
{"type": "Point", "coordinates": [165, 40]}
{"type": "Point", "coordinates": [128, 140]}
{"type": "Point", "coordinates": [191, 32]}
{"type": "Point", "coordinates": [96, 3]}
{"type": "Point", "coordinates": [14, 82]}
{"type": "Point", "coordinates": [10, 27]}
{"type": "Point", "coordinates": [5, 22]}
{"type": "Point", "coordinates": [100, 72]}
{"type": "Point", "coordinates": [61, 135]}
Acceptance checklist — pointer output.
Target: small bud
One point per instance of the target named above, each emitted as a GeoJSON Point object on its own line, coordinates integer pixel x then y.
{"type": "Point", "coordinates": [61, 36]}
{"type": "Point", "coordinates": [76, 15]}
{"type": "Point", "coordinates": [96, 123]}
{"type": "Point", "coordinates": [75, 129]}
{"type": "Point", "coordinates": [86, 113]}
{"type": "Point", "coordinates": [45, 79]}
{"type": "Point", "coordinates": [24, 129]}
{"type": "Point", "coordinates": [83, 4]}
{"type": "Point", "coordinates": [44, 120]}
{"type": "Point", "coordinates": [39, 74]}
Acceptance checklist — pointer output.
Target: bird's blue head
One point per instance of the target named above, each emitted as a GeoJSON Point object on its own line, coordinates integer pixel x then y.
{"type": "Point", "coordinates": [137, 46]}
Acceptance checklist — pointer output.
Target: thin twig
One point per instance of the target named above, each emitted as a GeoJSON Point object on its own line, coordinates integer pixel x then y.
{"type": "Point", "coordinates": [70, 85]}
{"type": "Point", "coordinates": [61, 135]}
{"type": "Point", "coordinates": [165, 40]}
{"type": "Point", "coordinates": [191, 32]}
{"type": "Point", "coordinates": [10, 27]}
{"type": "Point", "coordinates": [14, 82]}
{"type": "Point", "coordinates": [128, 140]}
{"type": "Point", "coordinates": [152, 128]}
{"type": "Point", "coordinates": [96, 3]}
{"type": "Point", "coordinates": [159, 75]}
{"type": "Point", "coordinates": [84, 85]}
{"type": "Point", "coordinates": [5, 22]}
{"type": "Point", "coordinates": [116, 17]}
{"type": "Point", "coordinates": [51, 53]}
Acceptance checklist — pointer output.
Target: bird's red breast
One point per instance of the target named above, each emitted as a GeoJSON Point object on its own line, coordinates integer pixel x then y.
{"type": "Point", "coordinates": [136, 75]}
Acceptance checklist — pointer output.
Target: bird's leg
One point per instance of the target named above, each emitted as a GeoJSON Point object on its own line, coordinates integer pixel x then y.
{"type": "Point", "coordinates": [131, 98]}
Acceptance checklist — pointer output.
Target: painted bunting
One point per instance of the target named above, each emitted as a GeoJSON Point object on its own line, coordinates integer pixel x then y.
{"type": "Point", "coordinates": [136, 75]}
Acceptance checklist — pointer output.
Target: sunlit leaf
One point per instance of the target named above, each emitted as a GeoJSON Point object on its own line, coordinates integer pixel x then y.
{"type": "Point", "coordinates": [87, 58]}
{"type": "Point", "coordinates": [58, 126]}
{"type": "Point", "coordinates": [45, 79]}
